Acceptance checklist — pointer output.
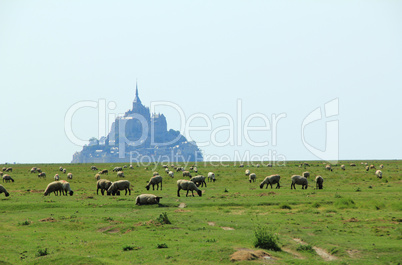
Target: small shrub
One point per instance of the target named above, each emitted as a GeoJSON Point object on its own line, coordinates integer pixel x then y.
{"type": "Point", "coordinates": [370, 187]}
{"type": "Point", "coordinates": [306, 248]}
{"type": "Point", "coordinates": [108, 219]}
{"type": "Point", "coordinates": [225, 190]}
{"type": "Point", "coordinates": [211, 240]}
{"type": "Point", "coordinates": [285, 206]}
{"type": "Point", "coordinates": [265, 239]}
{"type": "Point", "coordinates": [345, 203]}
{"type": "Point", "coordinates": [163, 219]}
{"type": "Point", "coordinates": [128, 248]}
{"type": "Point", "coordinates": [26, 222]}
{"type": "Point", "coordinates": [42, 252]}
{"type": "Point", "coordinates": [358, 189]}
{"type": "Point", "coordinates": [163, 245]}
{"type": "Point", "coordinates": [316, 205]}
{"type": "Point", "coordinates": [338, 196]}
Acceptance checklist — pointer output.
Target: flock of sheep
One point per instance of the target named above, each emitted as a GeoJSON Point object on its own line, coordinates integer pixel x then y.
{"type": "Point", "coordinates": [62, 187]}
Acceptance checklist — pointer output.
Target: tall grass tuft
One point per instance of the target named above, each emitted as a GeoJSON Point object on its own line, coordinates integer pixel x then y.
{"type": "Point", "coordinates": [266, 239]}
{"type": "Point", "coordinates": [163, 219]}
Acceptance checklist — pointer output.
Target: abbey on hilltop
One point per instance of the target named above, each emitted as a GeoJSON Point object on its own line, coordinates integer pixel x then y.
{"type": "Point", "coordinates": [139, 136]}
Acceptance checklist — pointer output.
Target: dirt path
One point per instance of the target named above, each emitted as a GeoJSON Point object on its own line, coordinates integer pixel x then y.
{"type": "Point", "coordinates": [321, 252]}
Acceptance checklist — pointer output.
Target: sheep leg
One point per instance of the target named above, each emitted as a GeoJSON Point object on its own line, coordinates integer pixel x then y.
{"type": "Point", "coordinates": [178, 192]}
{"type": "Point", "coordinates": [205, 184]}
{"type": "Point", "coordinates": [187, 193]}
{"type": "Point", "coordinates": [161, 185]}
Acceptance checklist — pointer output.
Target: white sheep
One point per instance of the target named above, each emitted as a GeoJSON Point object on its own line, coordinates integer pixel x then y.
{"type": "Point", "coordinates": [167, 170]}
{"type": "Point", "coordinates": [252, 177]}
{"type": "Point", "coordinates": [117, 169]}
{"type": "Point", "coordinates": [381, 166]}
{"type": "Point", "coordinates": [55, 186]}
{"type": "Point", "coordinates": [378, 173]}
{"type": "Point", "coordinates": [171, 174]}
{"type": "Point", "coordinates": [33, 170]}
{"type": "Point", "coordinates": [97, 176]}
{"type": "Point", "coordinates": [306, 174]}
{"type": "Point", "coordinates": [299, 180]}
{"type": "Point", "coordinates": [199, 180]}
{"type": "Point", "coordinates": [367, 168]}
{"type": "Point", "coordinates": [247, 172]}
{"type": "Point", "coordinates": [147, 199]}
{"type": "Point", "coordinates": [372, 167]}
{"type": "Point", "coordinates": [120, 185]}
{"type": "Point", "coordinates": [318, 182]}
{"type": "Point", "coordinates": [271, 180]}
{"type": "Point", "coordinates": [328, 167]}
{"type": "Point", "coordinates": [103, 185]}
{"type": "Point", "coordinates": [155, 173]}
{"type": "Point", "coordinates": [211, 177]}
{"type": "Point", "coordinates": [60, 168]}
{"type": "Point", "coordinates": [7, 178]}
{"type": "Point", "coordinates": [104, 171]}
{"type": "Point", "coordinates": [9, 169]}
{"type": "Point", "coordinates": [70, 175]}
{"type": "Point", "coordinates": [94, 168]}
{"type": "Point", "coordinates": [2, 189]}
{"type": "Point", "coordinates": [187, 185]}
{"type": "Point", "coordinates": [120, 174]}
{"type": "Point", "coordinates": [42, 175]}
{"type": "Point", "coordinates": [66, 188]}
{"type": "Point", "coordinates": [56, 177]}
{"type": "Point", "coordinates": [343, 167]}
{"type": "Point", "coordinates": [155, 180]}
{"type": "Point", "coordinates": [187, 174]}
{"type": "Point", "coordinates": [64, 170]}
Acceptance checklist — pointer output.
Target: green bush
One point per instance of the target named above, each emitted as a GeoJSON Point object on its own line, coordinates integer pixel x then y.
{"type": "Point", "coordinates": [163, 245]}
{"type": "Point", "coordinates": [266, 239]}
{"type": "Point", "coordinates": [163, 219]}
{"type": "Point", "coordinates": [285, 206]}
{"type": "Point", "coordinates": [42, 252]}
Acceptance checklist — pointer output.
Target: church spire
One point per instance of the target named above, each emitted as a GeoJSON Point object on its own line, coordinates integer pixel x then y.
{"type": "Point", "coordinates": [137, 98]}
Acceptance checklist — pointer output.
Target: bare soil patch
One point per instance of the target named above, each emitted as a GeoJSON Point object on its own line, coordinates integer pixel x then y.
{"type": "Point", "coordinates": [182, 205]}
{"type": "Point", "coordinates": [211, 223]}
{"type": "Point", "coordinates": [227, 228]}
{"type": "Point", "coordinates": [321, 252]}
{"type": "Point", "coordinates": [351, 220]}
{"type": "Point", "coordinates": [103, 229]}
{"type": "Point", "coordinates": [248, 254]}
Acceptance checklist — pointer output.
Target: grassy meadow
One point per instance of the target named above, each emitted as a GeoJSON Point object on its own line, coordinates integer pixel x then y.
{"type": "Point", "coordinates": [354, 219]}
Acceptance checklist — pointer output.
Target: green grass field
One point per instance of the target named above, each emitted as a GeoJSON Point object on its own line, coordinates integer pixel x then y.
{"type": "Point", "coordinates": [355, 219]}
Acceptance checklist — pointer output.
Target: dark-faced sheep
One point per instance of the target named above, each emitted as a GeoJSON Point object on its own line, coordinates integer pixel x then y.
{"type": "Point", "coordinates": [94, 168]}
{"type": "Point", "coordinates": [103, 185]}
{"type": "Point", "coordinates": [306, 174]}
{"type": "Point", "coordinates": [70, 175]}
{"type": "Point", "coordinates": [187, 185]}
{"type": "Point", "coordinates": [116, 169]}
{"type": "Point", "coordinates": [42, 175]}
{"type": "Point", "coordinates": [186, 174]}
{"type": "Point", "coordinates": [3, 190]}
{"type": "Point", "coordinates": [211, 177]}
{"type": "Point", "coordinates": [120, 185]}
{"type": "Point", "coordinates": [378, 173]}
{"type": "Point", "coordinates": [199, 180]}
{"type": "Point", "coordinates": [155, 180]}
{"type": "Point", "coordinates": [145, 199]}
{"type": "Point", "coordinates": [318, 182]}
{"type": "Point", "coordinates": [120, 174]}
{"type": "Point", "coordinates": [7, 178]}
{"type": "Point", "coordinates": [273, 179]}
{"type": "Point", "coordinates": [252, 177]}
{"type": "Point", "coordinates": [66, 188]}
{"type": "Point", "coordinates": [299, 180]}
{"type": "Point", "coordinates": [55, 187]}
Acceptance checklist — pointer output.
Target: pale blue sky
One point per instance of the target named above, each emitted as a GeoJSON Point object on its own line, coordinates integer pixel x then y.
{"type": "Point", "coordinates": [275, 56]}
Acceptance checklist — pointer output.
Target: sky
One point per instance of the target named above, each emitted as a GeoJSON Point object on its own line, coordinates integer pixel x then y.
{"type": "Point", "coordinates": [246, 80]}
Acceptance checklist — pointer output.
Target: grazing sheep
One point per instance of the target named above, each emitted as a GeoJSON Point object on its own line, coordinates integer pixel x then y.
{"type": "Point", "coordinates": [299, 180]}
{"type": "Point", "coordinates": [199, 180]}
{"type": "Point", "coordinates": [7, 178]}
{"type": "Point", "coordinates": [70, 175]}
{"type": "Point", "coordinates": [381, 166]}
{"type": "Point", "coordinates": [378, 173]}
{"type": "Point", "coordinates": [155, 180]}
{"type": "Point", "coordinates": [352, 164]}
{"type": "Point", "coordinates": [241, 165]}
{"type": "Point", "coordinates": [120, 185]}
{"type": "Point", "coordinates": [4, 168]}
{"type": "Point", "coordinates": [120, 174]}
{"type": "Point", "coordinates": [372, 167]}
{"type": "Point", "coordinates": [187, 174]}
{"type": "Point", "coordinates": [179, 169]}
{"type": "Point", "coordinates": [269, 165]}
{"type": "Point", "coordinates": [258, 165]}
{"type": "Point", "coordinates": [195, 169]}
{"type": "Point", "coordinates": [306, 174]}
{"type": "Point", "coordinates": [155, 174]}
{"type": "Point", "coordinates": [33, 170]}
{"type": "Point", "coordinates": [9, 169]}
{"type": "Point", "coordinates": [97, 176]}
{"type": "Point", "coordinates": [1, 173]}
{"type": "Point", "coordinates": [56, 177]}
{"type": "Point", "coordinates": [103, 185]}
{"type": "Point", "coordinates": [211, 177]}
{"type": "Point", "coordinates": [131, 167]}
{"type": "Point", "coordinates": [125, 166]}
{"type": "Point", "coordinates": [2, 189]}
{"type": "Point", "coordinates": [66, 188]}
{"type": "Point", "coordinates": [171, 174]}
{"type": "Point", "coordinates": [187, 185]}
{"type": "Point", "coordinates": [64, 170]}
{"type": "Point", "coordinates": [55, 186]}
{"type": "Point", "coordinates": [328, 167]}
{"type": "Point", "coordinates": [247, 172]}
{"type": "Point", "coordinates": [165, 166]}
{"type": "Point", "coordinates": [60, 168]}
{"type": "Point", "coordinates": [166, 170]}
{"type": "Point", "coordinates": [105, 171]}
{"type": "Point", "coordinates": [271, 180]}
{"type": "Point", "coordinates": [116, 169]}
{"type": "Point", "coordinates": [343, 167]}
{"type": "Point", "coordinates": [367, 168]}
{"type": "Point", "coordinates": [147, 199]}
{"type": "Point", "coordinates": [252, 177]}
{"type": "Point", "coordinates": [94, 168]}
{"type": "Point", "coordinates": [39, 170]}
{"type": "Point", "coordinates": [318, 182]}
{"type": "Point", "coordinates": [42, 175]}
